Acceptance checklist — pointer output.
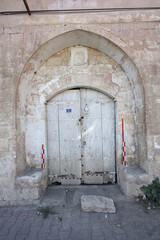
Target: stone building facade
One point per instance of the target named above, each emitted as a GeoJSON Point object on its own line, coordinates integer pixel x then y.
{"type": "Point", "coordinates": [116, 53]}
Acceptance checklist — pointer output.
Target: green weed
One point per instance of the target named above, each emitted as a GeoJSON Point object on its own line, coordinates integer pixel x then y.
{"type": "Point", "coordinates": [151, 193]}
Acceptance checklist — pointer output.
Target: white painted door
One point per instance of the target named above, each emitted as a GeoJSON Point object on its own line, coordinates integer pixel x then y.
{"type": "Point", "coordinates": [64, 138]}
{"type": "Point", "coordinates": [81, 137]}
{"type": "Point", "coordinates": [98, 138]}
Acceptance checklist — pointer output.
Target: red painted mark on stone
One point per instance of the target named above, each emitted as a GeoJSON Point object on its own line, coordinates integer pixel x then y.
{"type": "Point", "coordinates": [43, 155]}
{"type": "Point", "coordinates": [124, 144]}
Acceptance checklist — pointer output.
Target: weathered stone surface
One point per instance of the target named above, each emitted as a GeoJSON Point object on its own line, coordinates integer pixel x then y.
{"type": "Point", "coordinates": [85, 67]}
{"type": "Point", "coordinates": [93, 203]}
{"type": "Point", "coordinates": [72, 4]}
{"type": "Point", "coordinates": [132, 179]}
{"type": "Point", "coordinates": [30, 186]}
{"type": "Point", "coordinates": [36, 63]}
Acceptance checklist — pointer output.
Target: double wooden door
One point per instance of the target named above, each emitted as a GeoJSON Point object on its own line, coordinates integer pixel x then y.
{"type": "Point", "coordinates": [81, 138]}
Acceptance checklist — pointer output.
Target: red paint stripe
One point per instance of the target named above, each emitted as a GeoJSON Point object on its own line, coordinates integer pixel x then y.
{"type": "Point", "coordinates": [122, 130]}
{"type": "Point", "coordinates": [124, 144]}
{"type": "Point", "coordinates": [43, 152]}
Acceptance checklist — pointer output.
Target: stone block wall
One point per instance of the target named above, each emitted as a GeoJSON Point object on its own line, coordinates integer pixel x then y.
{"type": "Point", "coordinates": [23, 40]}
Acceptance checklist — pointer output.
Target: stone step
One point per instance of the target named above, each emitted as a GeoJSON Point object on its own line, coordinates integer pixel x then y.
{"type": "Point", "coordinates": [30, 185]}
{"type": "Point", "coordinates": [132, 178]}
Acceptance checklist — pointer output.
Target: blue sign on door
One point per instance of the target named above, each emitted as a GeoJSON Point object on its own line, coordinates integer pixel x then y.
{"type": "Point", "coordinates": [68, 110]}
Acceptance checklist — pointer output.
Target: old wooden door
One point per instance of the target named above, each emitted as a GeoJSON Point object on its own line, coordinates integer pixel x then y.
{"type": "Point", "coordinates": [64, 138]}
{"type": "Point", "coordinates": [98, 137]}
{"type": "Point", "coordinates": [81, 137]}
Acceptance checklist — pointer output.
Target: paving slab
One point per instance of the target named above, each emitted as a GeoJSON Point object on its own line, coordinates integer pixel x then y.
{"type": "Point", "coordinates": [54, 197]}
{"type": "Point", "coordinates": [63, 218]}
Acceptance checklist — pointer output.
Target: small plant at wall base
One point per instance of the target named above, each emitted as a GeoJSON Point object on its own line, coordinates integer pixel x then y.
{"type": "Point", "coordinates": [152, 193]}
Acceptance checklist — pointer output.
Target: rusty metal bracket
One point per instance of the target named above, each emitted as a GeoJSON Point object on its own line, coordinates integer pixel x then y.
{"type": "Point", "coordinates": [27, 7]}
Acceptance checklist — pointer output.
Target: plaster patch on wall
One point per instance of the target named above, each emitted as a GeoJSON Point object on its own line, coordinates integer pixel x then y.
{"type": "Point", "coordinates": [157, 142]}
{"type": "Point", "coordinates": [133, 148]}
{"type": "Point", "coordinates": [79, 56]}
{"type": "Point", "coordinates": [49, 84]}
{"type": "Point", "coordinates": [158, 100]}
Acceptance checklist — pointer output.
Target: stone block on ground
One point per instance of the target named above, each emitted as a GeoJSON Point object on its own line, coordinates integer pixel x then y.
{"type": "Point", "coordinates": [93, 203]}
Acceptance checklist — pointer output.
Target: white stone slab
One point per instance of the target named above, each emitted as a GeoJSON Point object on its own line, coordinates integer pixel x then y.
{"type": "Point", "coordinates": [93, 203]}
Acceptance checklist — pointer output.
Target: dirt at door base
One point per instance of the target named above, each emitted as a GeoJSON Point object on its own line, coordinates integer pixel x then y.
{"type": "Point", "coordinates": [108, 178]}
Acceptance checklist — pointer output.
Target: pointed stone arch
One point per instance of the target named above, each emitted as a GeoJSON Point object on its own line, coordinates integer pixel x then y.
{"type": "Point", "coordinates": [91, 40]}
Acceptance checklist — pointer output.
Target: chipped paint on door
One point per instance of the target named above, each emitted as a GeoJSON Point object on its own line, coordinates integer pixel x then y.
{"type": "Point", "coordinates": [81, 137]}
